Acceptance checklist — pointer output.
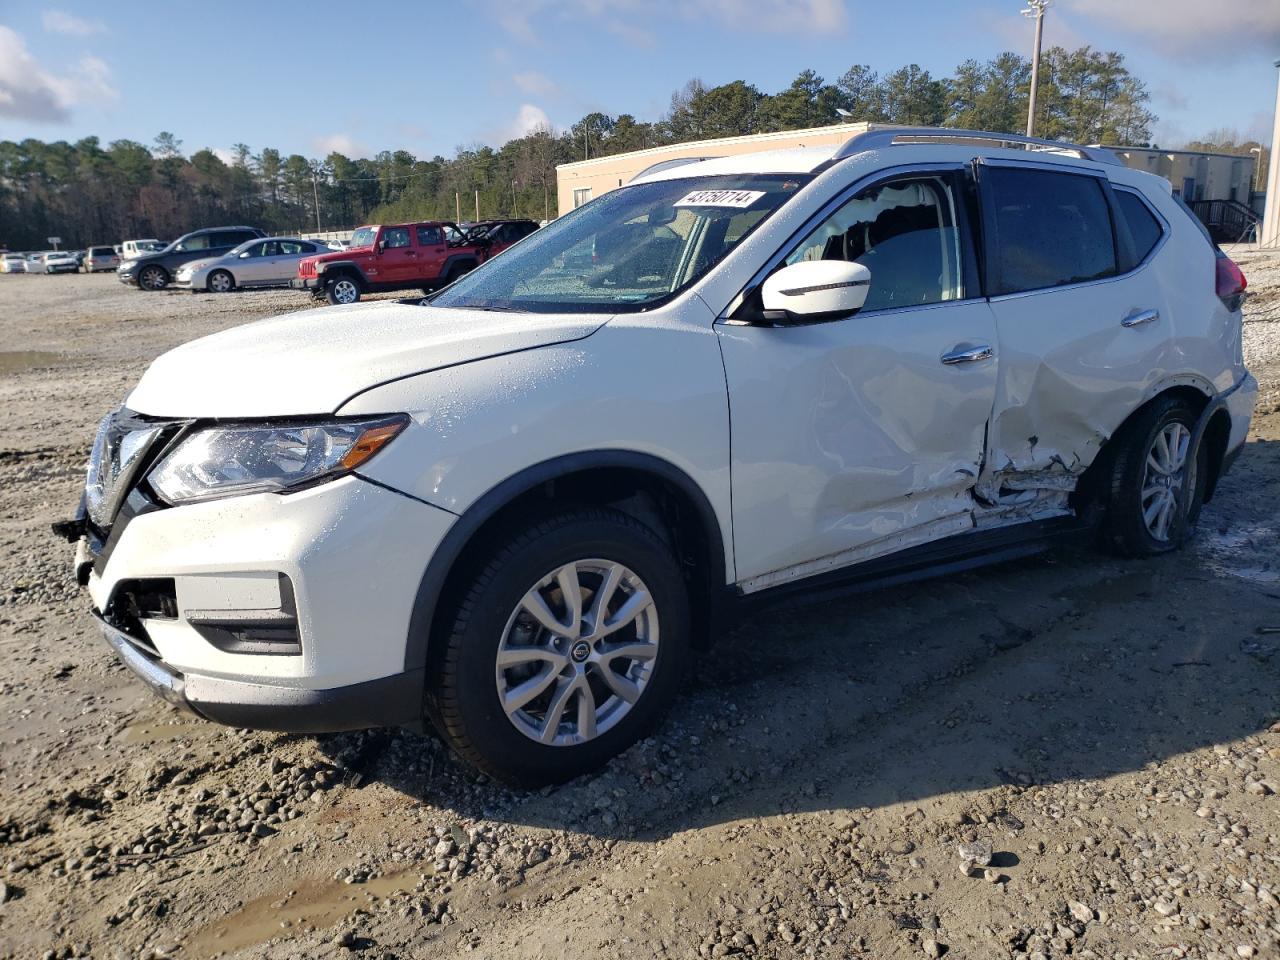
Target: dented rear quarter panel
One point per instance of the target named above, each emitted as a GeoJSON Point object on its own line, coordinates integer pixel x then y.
{"type": "Point", "coordinates": [1071, 373]}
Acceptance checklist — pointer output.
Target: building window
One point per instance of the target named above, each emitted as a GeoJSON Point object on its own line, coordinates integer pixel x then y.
{"type": "Point", "coordinates": [581, 196]}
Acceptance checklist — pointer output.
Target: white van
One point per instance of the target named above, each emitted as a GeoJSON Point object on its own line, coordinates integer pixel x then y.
{"type": "Point", "coordinates": [132, 249]}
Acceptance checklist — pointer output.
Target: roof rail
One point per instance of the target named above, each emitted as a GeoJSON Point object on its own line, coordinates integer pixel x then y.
{"type": "Point", "coordinates": [889, 136]}
{"type": "Point", "coordinates": [668, 164]}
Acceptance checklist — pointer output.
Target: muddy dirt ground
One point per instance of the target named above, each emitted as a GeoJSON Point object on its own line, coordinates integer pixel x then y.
{"type": "Point", "coordinates": [1106, 732]}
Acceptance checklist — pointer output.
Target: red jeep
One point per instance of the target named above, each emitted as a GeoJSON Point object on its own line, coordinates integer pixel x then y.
{"type": "Point", "coordinates": [401, 256]}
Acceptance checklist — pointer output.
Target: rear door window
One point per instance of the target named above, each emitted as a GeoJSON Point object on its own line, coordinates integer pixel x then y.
{"type": "Point", "coordinates": [430, 237]}
{"type": "Point", "coordinates": [1050, 229]}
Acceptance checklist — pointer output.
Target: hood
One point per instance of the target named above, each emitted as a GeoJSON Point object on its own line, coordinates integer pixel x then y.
{"type": "Point", "coordinates": [312, 362]}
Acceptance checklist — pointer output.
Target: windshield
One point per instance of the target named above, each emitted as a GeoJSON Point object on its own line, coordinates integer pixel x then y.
{"type": "Point", "coordinates": [364, 237]}
{"type": "Point", "coordinates": [629, 249]}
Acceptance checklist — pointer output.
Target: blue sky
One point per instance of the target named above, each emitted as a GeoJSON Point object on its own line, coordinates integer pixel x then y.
{"type": "Point", "coordinates": [429, 77]}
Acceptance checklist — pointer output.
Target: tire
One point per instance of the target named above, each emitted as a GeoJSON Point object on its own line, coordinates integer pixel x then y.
{"type": "Point", "coordinates": [153, 278]}
{"type": "Point", "coordinates": [220, 281]}
{"type": "Point", "coordinates": [1153, 500]}
{"type": "Point", "coordinates": [342, 289]}
{"type": "Point", "coordinates": [465, 683]}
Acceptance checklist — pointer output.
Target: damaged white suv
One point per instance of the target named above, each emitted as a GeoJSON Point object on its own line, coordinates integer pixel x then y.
{"type": "Point", "coordinates": [514, 510]}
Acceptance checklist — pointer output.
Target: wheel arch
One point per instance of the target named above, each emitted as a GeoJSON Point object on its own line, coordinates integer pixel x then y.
{"type": "Point", "coordinates": [642, 485]}
{"type": "Point", "coordinates": [1214, 425]}
{"type": "Point", "coordinates": [340, 268]}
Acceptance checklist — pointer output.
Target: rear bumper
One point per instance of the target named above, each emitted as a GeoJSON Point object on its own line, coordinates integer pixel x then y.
{"type": "Point", "coordinates": [395, 700]}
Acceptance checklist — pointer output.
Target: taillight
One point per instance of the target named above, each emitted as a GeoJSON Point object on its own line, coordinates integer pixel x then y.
{"type": "Point", "coordinates": [1230, 282]}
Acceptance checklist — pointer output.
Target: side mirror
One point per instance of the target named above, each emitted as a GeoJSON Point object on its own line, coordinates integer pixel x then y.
{"type": "Point", "coordinates": [382, 245]}
{"type": "Point", "coordinates": [245, 255]}
{"type": "Point", "coordinates": [815, 290]}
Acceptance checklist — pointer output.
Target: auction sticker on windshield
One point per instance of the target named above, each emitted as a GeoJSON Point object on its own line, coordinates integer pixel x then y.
{"type": "Point", "coordinates": [720, 198]}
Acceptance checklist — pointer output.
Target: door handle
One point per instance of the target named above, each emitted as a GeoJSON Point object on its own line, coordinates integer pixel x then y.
{"type": "Point", "coordinates": [968, 354]}
{"type": "Point", "coordinates": [1139, 317]}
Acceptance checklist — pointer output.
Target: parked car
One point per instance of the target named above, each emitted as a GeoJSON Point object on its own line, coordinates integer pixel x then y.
{"type": "Point", "coordinates": [155, 270]}
{"type": "Point", "coordinates": [132, 249]}
{"type": "Point", "coordinates": [34, 262]}
{"type": "Point", "coordinates": [338, 244]}
{"type": "Point", "coordinates": [258, 263]}
{"type": "Point", "coordinates": [60, 261]}
{"type": "Point", "coordinates": [516, 508]}
{"type": "Point", "coordinates": [12, 262]}
{"type": "Point", "coordinates": [400, 256]}
{"type": "Point", "coordinates": [101, 258]}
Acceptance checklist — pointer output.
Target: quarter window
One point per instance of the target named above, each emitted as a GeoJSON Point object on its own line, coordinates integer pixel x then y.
{"type": "Point", "coordinates": [1144, 228]}
{"type": "Point", "coordinates": [1051, 229]}
{"type": "Point", "coordinates": [395, 237]}
{"type": "Point", "coordinates": [905, 233]}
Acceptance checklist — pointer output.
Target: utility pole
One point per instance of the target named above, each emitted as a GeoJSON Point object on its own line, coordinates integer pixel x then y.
{"type": "Point", "coordinates": [477, 204]}
{"type": "Point", "coordinates": [514, 202]}
{"type": "Point", "coordinates": [315, 190]}
{"type": "Point", "coordinates": [1035, 9]}
{"type": "Point", "coordinates": [457, 207]}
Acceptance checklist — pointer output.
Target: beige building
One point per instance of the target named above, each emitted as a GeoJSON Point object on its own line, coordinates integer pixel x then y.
{"type": "Point", "coordinates": [587, 179]}
{"type": "Point", "coordinates": [1196, 176]}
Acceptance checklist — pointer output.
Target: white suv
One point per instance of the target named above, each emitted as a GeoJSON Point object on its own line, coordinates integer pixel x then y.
{"type": "Point", "coordinates": [516, 508]}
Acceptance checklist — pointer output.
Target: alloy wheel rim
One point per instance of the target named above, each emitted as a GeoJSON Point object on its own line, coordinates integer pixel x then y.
{"type": "Point", "coordinates": [151, 278]}
{"type": "Point", "coordinates": [344, 291]}
{"type": "Point", "coordinates": [577, 653]}
{"type": "Point", "coordinates": [1163, 478]}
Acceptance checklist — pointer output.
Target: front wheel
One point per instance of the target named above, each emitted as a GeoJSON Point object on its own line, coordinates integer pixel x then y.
{"type": "Point", "coordinates": [342, 290]}
{"type": "Point", "coordinates": [153, 278]}
{"type": "Point", "coordinates": [567, 647]}
{"type": "Point", "coordinates": [220, 281]}
{"type": "Point", "coordinates": [1157, 485]}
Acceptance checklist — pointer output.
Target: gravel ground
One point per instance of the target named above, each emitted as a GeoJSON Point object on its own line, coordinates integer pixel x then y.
{"type": "Point", "coordinates": [1070, 756]}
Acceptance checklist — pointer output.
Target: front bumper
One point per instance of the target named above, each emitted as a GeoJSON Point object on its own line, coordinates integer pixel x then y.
{"type": "Point", "coordinates": [386, 702]}
{"type": "Point", "coordinates": [62, 268]}
{"type": "Point", "coordinates": [310, 284]}
{"type": "Point", "coordinates": [126, 276]}
{"type": "Point", "coordinates": [354, 555]}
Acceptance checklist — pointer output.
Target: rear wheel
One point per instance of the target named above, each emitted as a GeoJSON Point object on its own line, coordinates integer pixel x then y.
{"type": "Point", "coordinates": [342, 290]}
{"type": "Point", "coordinates": [566, 649]}
{"type": "Point", "coordinates": [153, 278]}
{"type": "Point", "coordinates": [1157, 486]}
{"type": "Point", "coordinates": [220, 281]}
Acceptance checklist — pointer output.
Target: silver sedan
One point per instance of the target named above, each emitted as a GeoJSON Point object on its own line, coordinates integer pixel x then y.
{"type": "Point", "coordinates": [272, 262]}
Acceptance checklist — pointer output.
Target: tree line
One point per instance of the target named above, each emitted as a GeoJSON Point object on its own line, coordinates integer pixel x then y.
{"type": "Point", "coordinates": [89, 193]}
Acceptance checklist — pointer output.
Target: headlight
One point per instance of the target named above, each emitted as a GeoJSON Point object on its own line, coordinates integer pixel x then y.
{"type": "Point", "coordinates": [128, 265]}
{"type": "Point", "coordinates": [223, 461]}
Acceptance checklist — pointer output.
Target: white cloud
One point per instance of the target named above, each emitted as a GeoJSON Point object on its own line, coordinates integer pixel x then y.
{"type": "Point", "coordinates": [342, 143]}
{"type": "Point", "coordinates": [1207, 30]}
{"type": "Point", "coordinates": [528, 119]}
{"type": "Point", "coordinates": [226, 156]}
{"type": "Point", "coordinates": [56, 21]}
{"type": "Point", "coordinates": [30, 92]}
{"type": "Point", "coordinates": [535, 84]}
